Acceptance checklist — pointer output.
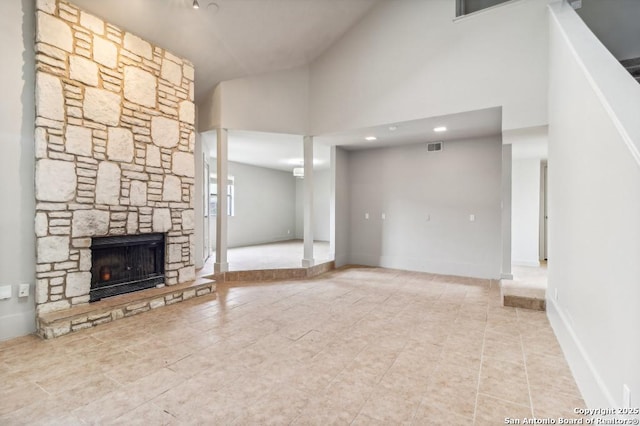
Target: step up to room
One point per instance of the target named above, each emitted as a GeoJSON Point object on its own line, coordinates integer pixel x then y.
{"type": "Point", "coordinates": [275, 274]}
{"type": "Point", "coordinates": [525, 295]}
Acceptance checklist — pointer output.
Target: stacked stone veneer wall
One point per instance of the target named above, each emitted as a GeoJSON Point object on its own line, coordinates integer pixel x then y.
{"type": "Point", "coordinates": [114, 149]}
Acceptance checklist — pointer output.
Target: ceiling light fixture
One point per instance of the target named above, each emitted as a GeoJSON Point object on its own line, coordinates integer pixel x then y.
{"type": "Point", "coordinates": [440, 129]}
{"type": "Point", "coordinates": [298, 172]}
{"type": "Point", "coordinates": [196, 5]}
{"type": "Point", "coordinates": [370, 138]}
{"type": "Point", "coordinates": [393, 128]}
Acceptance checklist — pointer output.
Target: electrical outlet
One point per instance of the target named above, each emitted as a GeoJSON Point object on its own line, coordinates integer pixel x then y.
{"type": "Point", "coordinates": [5, 292]}
{"type": "Point", "coordinates": [23, 290]}
{"type": "Point", "coordinates": [626, 396]}
{"type": "Point", "coordinates": [384, 216]}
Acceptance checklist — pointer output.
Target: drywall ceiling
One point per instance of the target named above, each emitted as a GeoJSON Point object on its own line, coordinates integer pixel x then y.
{"type": "Point", "coordinates": [485, 122]}
{"type": "Point", "coordinates": [271, 150]}
{"type": "Point", "coordinates": [228, 39]}
{"type": "Point", "coordinates": [285, 151]}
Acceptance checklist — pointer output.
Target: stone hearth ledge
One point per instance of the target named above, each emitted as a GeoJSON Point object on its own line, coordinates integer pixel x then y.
{"type": "Point", "coordinates": [59, 323]}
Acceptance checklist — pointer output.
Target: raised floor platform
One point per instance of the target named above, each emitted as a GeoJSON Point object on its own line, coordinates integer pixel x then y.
{"type": "Point", "coordinates": [59, 323]}
{"type": "Point", "coordinates": [282, 274]}
{"type": "Point", "coordinates": [527, 289]}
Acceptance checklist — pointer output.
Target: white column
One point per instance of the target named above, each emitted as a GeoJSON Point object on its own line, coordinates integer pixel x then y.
{"type": "Point", "coordinates": [221, 264]}
{"type": "Point", "coordinates": [307, 260]}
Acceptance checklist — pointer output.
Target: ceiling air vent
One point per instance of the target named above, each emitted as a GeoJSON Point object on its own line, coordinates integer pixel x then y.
{"type": "Point", "coordinates": [434, 146]}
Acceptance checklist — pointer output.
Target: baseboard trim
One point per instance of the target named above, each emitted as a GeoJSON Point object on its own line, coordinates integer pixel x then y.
{"type": "Point", "coordinates": [593, 389]}
{"type": "Point", "coordinates": [16, 325]}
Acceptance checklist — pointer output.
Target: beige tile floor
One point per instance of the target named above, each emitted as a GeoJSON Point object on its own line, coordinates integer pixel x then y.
{"type": "Point", "coordinates": [359, 346]}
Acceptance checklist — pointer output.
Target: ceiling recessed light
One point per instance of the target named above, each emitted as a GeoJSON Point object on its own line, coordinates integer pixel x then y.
{"type": "Point", "coordinates": [393, 128]}
{"type": "Point", "coordinates": [370, 138]}
{"type": "Point", "coordinates": [440, 129]}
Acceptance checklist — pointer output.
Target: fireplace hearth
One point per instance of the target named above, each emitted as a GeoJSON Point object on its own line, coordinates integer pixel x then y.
{"type": "Point", "coordinates": [124, 264]}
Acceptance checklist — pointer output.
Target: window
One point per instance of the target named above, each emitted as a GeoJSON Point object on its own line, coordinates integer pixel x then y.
{"type": "Point", "coordinates": [465, 7]}
{"type": "Point", "coordinates": [213, 196]}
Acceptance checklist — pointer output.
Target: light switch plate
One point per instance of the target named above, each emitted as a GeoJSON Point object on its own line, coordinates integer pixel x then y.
{"type": "Point", "coordinates": [23, 290]}
{"type": "Point", "coordinates": [5, 292]}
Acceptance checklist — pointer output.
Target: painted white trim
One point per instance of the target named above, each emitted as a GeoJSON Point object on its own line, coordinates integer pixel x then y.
{"type": "Point", "coordinates": [593, 389]}
{"type": "Point", "coordinates": [505, 277]}
{"type": "Point", "coordinates": [481, 271]}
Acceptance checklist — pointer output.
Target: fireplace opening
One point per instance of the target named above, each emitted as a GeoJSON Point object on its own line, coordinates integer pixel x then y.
{"type": "Point", "coordinates": [123, 264]}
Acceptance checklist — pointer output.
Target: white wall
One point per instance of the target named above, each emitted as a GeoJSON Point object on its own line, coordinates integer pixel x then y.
{"type": "Point", "coordinates": [525, 212]}
{"type": "Point", "coordinates": [321, 205]}
{"type": "Point", "coordinates": [342, 209]}
{"type": "Point", "coordinates": [427, 199]}
{"type": "Point", "coordinates": [615, 23]}
{"type": "Point", "coordinates": [202, 224]}
{"type": "Point", "coordinates": [198, 189]}
{"type": "Point", "coordinates": [210, 111]}
{"type": "Point", "coordinates": [408, 60]}
{"type": "Point", "coordinates": [17, 235]}
{"type": "Point", "coordinates": [594, 212]}
{"type": "Point", "coordinates": [299, 234]}
{"type": "Point", "coordinates": [275, 102]}
{"type": "Point", "coordinates": [505, 206]}
{"type": "Point", "coordinates": [264, 206]}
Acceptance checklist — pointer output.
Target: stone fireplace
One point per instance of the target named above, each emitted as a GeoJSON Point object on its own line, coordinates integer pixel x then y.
{"type": "Point", "coordinates": [114, 153]}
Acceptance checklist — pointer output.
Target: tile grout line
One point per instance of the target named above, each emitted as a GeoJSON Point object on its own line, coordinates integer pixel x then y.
{"type": "Point", "coordinates": [381, 321]}
{"type": "Point", "coordinates": [484, 335]}
{"type": "Point", "coordinates": [383, 374]}
{"type": "Point", "coordinates": [526, 370]}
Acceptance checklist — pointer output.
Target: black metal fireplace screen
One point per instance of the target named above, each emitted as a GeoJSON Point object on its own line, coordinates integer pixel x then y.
{"type": "Point", "coordinates": [124, 264]}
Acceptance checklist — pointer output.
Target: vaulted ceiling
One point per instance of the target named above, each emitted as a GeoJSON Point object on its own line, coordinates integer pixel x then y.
{"type": "Point", "coordinates": [228, 39]}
